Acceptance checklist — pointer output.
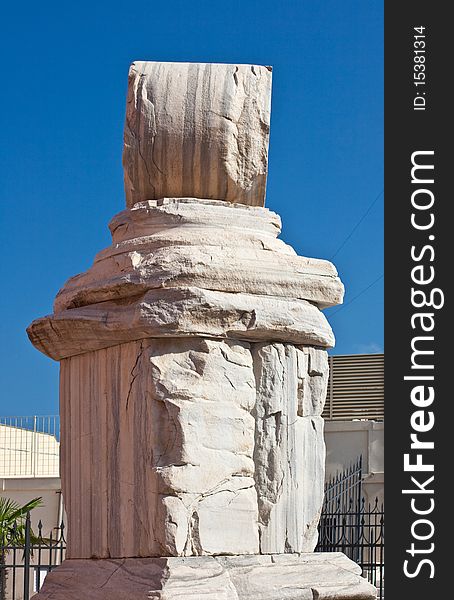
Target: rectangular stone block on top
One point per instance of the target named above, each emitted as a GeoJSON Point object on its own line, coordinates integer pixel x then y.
{"type": "Point", "coordinates": [197, 130]}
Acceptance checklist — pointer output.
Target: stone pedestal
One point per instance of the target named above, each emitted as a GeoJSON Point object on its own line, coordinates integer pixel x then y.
{"type": "Point", "coordinates": [314, 576]}
{"type": "Point", "coordinates": [194, 367]}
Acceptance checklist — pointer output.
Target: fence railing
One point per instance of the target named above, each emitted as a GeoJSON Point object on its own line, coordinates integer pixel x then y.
{"type": "Point", "coordinates": [351, 525]}
{"type": "Point", "coordinates": [344, 488]}
{"type": "Point", "coordinates": [30, 446]}
{"type": "Point", "coordinates": [25, 562]}
{"type": "Point", "coordinates": [359, 532]}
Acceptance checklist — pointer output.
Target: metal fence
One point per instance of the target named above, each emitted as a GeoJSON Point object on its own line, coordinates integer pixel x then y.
{"type": "Point", "coordinates": [344, 488]}
{"type": "Point", "coordinates": [30, 446]}
{"type": "Point", "coordinates": [351, 525]}
{"type": "Point", "coordinates": [25, 560]}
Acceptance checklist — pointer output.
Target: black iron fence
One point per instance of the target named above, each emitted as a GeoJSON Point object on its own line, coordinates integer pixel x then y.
{"type": "Point", "coordinates": [345, 488]}
{"type": "Point", "coordinates": [25, 562]}
{"type": "Point", "coordinates": [351, 525]}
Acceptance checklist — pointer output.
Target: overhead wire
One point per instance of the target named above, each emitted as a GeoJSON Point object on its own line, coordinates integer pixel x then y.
{"type": "Point", "coordinates": [357, 224]}
{"type": "Point", "coordinates": [364, 290]}
{"type": "Point", "coordinates": [357, 296]}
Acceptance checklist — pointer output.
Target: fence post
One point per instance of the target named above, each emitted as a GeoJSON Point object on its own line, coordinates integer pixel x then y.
{"type": "Point", "coordinates": [330, 387]}
{"type": "Point", "coordinates": [348, 525]}
{"type": "Point", "coordinates": [34, 446]}
{"type": "Point", "coordinates": [27, 551]}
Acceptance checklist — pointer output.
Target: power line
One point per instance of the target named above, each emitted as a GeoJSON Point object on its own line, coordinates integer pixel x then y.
{"type": "Point", "coordinates": [357, 296]}
{"type": "Point", "coordinates": [357, 225]}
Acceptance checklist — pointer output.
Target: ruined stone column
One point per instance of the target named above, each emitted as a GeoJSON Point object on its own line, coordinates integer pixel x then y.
{"type": "Point", "coordinates": [194, 366]}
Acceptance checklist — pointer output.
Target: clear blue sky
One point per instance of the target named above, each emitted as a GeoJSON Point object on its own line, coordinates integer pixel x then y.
{"type": "Point", "coordinates": [64, 73]}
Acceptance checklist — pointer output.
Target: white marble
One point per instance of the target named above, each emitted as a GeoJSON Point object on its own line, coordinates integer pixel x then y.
{"type": "Point", "coordinates": [207, 452]}
{"type": "Point", "coordinates": [194, 367]}
{"type": "Point", "coordinates": [289, 450]}
{"type": "Point", "coordinates": [184, 267]}
{"type": "Point", "coordinates": [276, 577]}
{"type": "Point", "coordinates": [182, 312]}
{"type": "Point", "coordinates": [157, 449]}
{"type": "Point", "coordinates": [207, 252]}
{"type": "Point", "coordinates": [197, 130]}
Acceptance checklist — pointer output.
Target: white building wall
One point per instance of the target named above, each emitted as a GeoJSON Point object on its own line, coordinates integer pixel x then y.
{"type": "Point", "coordinates": [28, 453]}
{"type": "Point", "coordinates": [345, 441]}
{"type": "Point", "coordinates": [22, 490]}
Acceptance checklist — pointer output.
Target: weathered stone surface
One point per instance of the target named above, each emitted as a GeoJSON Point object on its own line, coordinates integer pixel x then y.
{"type": "Point", "coordinates": [174, 417]}
{"type": "Point", "coordinates": [183, 267]}
{"type": "Point", "coordinates": [207, 452]}
{"type": "Point", "coordinates": [289, 451]}
{"type": "Point", "coordinates": [277, 577]}
{"type": "Point", "coordinates": [197, 130]}
{"type": "Point", "coordinates": [181, 312]}
{"type": "Point", "coordinates": [313, 373]}
{"type": "Point", "coordinates": [206, 251]}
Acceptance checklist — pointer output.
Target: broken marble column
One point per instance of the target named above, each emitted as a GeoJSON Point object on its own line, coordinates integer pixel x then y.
{"type": "Point", "coordinates": [191, 396]}
{"type": "Point", "coordinates": [193, 352]}
{"type": "Point", "coordinates": [198, 130]}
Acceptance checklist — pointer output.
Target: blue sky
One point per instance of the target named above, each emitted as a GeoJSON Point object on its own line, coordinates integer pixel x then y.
{"type": "Point", "coordinates": [64, 73]}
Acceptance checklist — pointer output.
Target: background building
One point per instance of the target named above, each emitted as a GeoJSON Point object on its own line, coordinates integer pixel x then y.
{"type": "Point", "coordinates": [354, 419]}
{"type": "Point", "coordinates": [29, 465]}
